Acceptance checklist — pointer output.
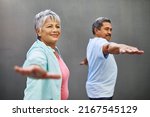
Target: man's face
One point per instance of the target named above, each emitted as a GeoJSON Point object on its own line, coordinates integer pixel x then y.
{"type": "Point", "coordinates": [105, 31]}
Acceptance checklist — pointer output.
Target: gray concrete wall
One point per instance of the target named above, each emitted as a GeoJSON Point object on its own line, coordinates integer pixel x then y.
{"type": "Point", "coordinates": [130, 20]}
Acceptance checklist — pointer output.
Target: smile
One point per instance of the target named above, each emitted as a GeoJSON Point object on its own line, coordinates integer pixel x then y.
{"type": "Point", "coordinates": [54, 35]}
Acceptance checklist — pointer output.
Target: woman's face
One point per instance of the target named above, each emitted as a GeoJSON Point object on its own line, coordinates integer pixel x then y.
{"type": "Point", "coordinates": [50, 32]}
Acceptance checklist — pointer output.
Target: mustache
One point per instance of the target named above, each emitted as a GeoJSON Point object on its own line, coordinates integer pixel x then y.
{"type": "Point", "coordinates": [109, 35]}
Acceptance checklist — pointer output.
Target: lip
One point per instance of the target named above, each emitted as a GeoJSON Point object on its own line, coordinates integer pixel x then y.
{"type": "Point", "coordinates": [54, 35]}
{"type": "Point", "coordinates": [108, 35]}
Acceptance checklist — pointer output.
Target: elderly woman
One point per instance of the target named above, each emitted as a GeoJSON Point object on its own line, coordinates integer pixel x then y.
{"type": "Point", "coordinates": [47, 73]}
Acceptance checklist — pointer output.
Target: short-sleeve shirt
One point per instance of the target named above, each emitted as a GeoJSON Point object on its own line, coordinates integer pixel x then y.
{"type": "Point", "coordinates": [102, 70]}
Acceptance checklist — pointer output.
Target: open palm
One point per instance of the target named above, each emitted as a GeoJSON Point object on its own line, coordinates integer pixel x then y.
{"type": "Point", "coordinates": [35, 71]}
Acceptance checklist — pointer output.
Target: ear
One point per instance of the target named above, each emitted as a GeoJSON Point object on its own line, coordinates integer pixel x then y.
{"type": "Point", "coordinates": [96, 30]}
{"type": "Point", "coordinates": [38, 32]}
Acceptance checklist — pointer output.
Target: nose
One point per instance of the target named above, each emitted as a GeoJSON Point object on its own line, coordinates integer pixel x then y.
{"type": "Point", "coordinates": [109, 31]}
{"type": "Point", "coordinates": [55, 29]}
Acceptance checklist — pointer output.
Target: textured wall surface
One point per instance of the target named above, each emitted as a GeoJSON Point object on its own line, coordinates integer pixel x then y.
{"type": "Point", "coordinates": [130, 21]}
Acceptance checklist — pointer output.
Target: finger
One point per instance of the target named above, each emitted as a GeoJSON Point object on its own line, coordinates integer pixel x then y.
{"type": "Point", "coordinates": [131, 50]}
{"type": "Point", "coordinates": [82, 63]}
{"type": "Point", "coordinates": [17, 68]}
{"type": "Point", "coordinates": [140, 52]}
{"type": "Point", "coordinates": [22, 71]}
{"type": "Point", "coordinates": [51, 76]}
{"type": "Point", "coordinates": [135, 51]}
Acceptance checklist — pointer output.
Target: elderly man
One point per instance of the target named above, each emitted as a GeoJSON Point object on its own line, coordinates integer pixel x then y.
{"type": "Point", "coordinates": [102, 68]}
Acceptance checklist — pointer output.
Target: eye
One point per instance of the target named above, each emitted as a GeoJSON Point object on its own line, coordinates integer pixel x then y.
{"type": "Point", "coordinates": [57, 26]}
{"type": "Point", "coordinates": [106, 28]}
{"type": "Point", "coordinates": [49, 26]}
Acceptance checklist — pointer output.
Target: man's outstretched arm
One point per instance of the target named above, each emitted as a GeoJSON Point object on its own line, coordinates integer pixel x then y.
{"type": "Point", "coordinates": [114, 48]}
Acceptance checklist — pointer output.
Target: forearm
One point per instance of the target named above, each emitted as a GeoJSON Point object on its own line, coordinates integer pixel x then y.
{"type": "Point", "coordinates": [111, 48]}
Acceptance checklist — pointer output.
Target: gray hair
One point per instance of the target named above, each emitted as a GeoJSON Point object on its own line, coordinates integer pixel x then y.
{"type": "Point", "coordinates": [98, 23]}
{"type": "Point", "coordinates": [43, 15]}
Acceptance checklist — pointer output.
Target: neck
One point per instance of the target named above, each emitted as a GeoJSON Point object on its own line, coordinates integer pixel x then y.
{"type": "Point", "coordinates": [52, 45]}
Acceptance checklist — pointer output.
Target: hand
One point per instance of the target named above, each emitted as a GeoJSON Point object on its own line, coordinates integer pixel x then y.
{"type": "Point", "coordinates": [36, 71]}
{"type": "Point", "coordinates": [114, 48]}
{"type": "Point", "coordinates": [129, 50]}
{"type": "Point", "coordinates": [84, 62]}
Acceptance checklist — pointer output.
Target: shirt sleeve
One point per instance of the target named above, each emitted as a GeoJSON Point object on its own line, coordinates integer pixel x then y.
{"type": "Point", "coordinates": [36, 57]}
{"type": "Point", "coordinates": [99, 47]}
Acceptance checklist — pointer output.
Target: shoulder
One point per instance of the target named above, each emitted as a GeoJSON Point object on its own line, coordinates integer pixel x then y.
{"type": "Point", "coordinates": [36, 50]}
{"type": "Point", "coordinates": [99, 42]}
